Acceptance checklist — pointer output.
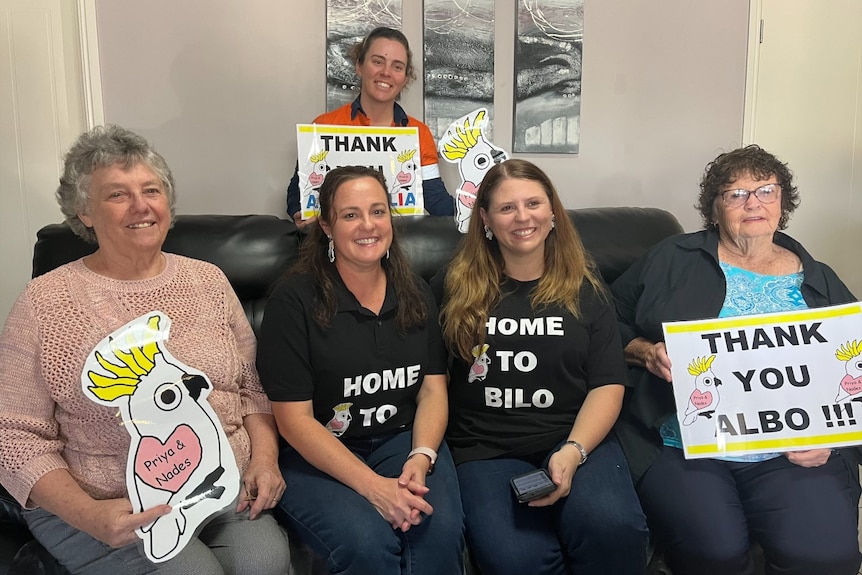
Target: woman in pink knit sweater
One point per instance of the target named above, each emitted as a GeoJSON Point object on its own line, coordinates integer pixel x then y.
{"type": "Point", "coordinates": [63, 455]}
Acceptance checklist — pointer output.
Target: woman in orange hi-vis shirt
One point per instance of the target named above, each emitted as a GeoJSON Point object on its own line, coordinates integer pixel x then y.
{"type": "Point", "coordinates": [384, 64]}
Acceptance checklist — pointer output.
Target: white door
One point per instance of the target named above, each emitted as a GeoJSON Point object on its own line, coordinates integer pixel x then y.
{"type": "Point", "coordinates": [41, 112]}
{"type": "Point", "coordinates": [804, 103]}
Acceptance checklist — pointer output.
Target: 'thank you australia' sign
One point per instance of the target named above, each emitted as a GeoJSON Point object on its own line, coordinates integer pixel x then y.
{"type": "Point", "coordinates": [393, 151]}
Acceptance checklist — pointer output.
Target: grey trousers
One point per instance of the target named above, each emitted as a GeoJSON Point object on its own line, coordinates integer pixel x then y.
{"type": "Point", "coordinates": [229, 544]}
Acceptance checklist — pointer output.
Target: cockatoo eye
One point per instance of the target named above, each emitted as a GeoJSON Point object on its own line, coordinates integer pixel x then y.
{"type": "Point", "coordinates": [481, 161]}
{"type": "Point", "coordinates": [168, 396]}
{"type": "Point", "coordinates": [859, 365]}
{"type": "Point", "coordinates": [707, 381]}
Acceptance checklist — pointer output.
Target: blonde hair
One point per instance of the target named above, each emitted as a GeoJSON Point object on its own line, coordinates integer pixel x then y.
{"type": "Point", "coordinates": [476, 272]}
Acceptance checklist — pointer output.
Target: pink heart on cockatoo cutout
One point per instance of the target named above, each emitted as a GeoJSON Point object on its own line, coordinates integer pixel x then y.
{"type": "Point", "coordinates": [167, 466]}
{"type": "Point", "coordinates": [851, 385]}
{"type": "Point", "coordinates": [701, 400]}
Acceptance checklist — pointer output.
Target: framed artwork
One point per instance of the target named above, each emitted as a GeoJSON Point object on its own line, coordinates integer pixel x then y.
{"type": "Point", "coordinates": [347, 22]}
{"type": "Point", "coordinates": [459, 61]}
{"type": "Point", "coordinates": [548, 58]}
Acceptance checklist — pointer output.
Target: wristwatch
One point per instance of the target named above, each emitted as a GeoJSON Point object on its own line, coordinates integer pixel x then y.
{"type": "Point", "coordinates": [427, 452]}
{"type": "Point", "coordinates": [580, 448]}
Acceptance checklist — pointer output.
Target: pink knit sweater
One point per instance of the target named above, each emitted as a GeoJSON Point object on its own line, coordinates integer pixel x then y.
{"type": "Point", "coordinates": [47, 423]}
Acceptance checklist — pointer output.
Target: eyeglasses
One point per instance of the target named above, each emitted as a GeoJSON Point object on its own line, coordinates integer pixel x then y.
{"type": "Point", "coordinates": [766, 194]}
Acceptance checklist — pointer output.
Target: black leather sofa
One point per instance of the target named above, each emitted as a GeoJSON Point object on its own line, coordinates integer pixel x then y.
{"type": "Point", "coordinates": [254, 250]}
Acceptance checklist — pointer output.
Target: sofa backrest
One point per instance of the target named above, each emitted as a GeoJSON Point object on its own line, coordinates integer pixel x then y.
{"type": "Point", "coordinates": [615, 237]}
{"type": "Point", "coordinates": [254, 250]}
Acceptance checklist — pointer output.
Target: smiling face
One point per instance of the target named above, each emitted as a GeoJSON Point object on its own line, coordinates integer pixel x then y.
{"type": "Point", "coordinates": [519, 213]}
{"type": "Point", "coordinates": [359, 224]}
{"type": "Point", "coordinates": [128, 210]}
{"type": "Point", "coordinates": [751, 220]}
{"type": "Point", "coordinates": [383, 71]}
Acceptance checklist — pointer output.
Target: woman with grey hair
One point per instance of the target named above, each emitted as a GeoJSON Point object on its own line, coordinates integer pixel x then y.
{"type": "Point", "coordinates": [800, 505]}
{"type": "Point", "coordinates": [63, 455]}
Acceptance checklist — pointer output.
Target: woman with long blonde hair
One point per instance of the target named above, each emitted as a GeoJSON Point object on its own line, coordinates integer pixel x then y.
{"type": "Point", "coordinates": [536, 383]}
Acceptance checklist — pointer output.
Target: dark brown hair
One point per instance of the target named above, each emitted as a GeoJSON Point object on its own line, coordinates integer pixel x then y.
{"type": "Point", "coordinates": [754, 162]}
{"type": "Point", "coordinates": [314, 258]}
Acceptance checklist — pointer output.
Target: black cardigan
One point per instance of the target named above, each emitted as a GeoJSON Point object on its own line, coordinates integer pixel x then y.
{"type": "Point", "coordinates": [680, 279]}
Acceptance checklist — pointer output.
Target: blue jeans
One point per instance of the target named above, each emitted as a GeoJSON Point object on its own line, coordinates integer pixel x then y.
{"type": "Point", "coordinates": [343, 527]}
{"type": "Point", "coordinates": [599, 529]}
{"type": "Point", "coordinates": [705, 511]}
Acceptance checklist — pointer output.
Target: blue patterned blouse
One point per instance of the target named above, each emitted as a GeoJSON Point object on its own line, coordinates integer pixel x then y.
{"type": "Point", "coordinates": [748, 293]}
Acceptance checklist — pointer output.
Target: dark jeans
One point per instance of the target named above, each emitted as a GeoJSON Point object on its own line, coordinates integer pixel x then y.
{"type": "Point", "coordinates": [344, 528]}
{"type": "Point", "coordinates": [705, 511]}
{"type": "Point", "coordinates": [599, 529]}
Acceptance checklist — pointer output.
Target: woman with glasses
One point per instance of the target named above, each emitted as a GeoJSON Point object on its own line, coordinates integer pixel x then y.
{"type": "Point", "coordinates": [801, 507]}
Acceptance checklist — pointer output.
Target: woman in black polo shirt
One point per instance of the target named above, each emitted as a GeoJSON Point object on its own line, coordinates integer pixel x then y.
{"type": "Point", "coordinates": [351, 356]}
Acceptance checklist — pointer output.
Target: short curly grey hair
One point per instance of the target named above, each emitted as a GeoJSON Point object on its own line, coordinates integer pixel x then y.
{"type": "Point", "coordinates": [101, 147]}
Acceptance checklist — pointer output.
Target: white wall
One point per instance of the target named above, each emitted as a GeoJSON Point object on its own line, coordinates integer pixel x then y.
{"type": "Point", "coordinates": [219, 87]}
{"type": "Point", "coordinates": [41, 113]}
{"type": "Point", "coordinates": [805, 106]}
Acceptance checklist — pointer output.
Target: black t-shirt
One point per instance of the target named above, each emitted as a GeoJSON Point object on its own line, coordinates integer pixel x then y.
{"type": "Point", "coordinates": [360, 373]}
{"type": "Point", "coordinates": [520, 396]}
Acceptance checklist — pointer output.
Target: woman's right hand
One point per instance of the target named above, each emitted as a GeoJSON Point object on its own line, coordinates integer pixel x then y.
{"type": "Point", "coordinates": [113, 521]}
{"type": "Point", "coordinates": [657, 361]}
{"type": "Point", "coordinates": [300, 223]}
{"type": "Point", "coordinates": [401, 506]}
{"type": "Point", "coordinates": [652, 356]}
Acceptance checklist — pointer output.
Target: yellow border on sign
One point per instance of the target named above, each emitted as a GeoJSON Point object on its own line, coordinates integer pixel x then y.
{"type": "Point", "coordinates": [775, 444]}
{"type": "Point", "coordinates": [375, 130]}
{"type": "Point", "coordinates": [748, 321]}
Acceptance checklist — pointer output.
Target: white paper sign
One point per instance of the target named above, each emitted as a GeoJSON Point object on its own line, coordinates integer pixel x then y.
{"type": "Point", "coordinates": [179, 454]}
{"type": "Point", "coordinates": [768, 383]}
{"type": "Point", "coordinates": [392, 151]}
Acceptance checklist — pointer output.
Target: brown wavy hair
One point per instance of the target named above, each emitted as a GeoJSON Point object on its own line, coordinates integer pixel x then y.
{"type": "Point", "coordinates": [472, 286]}
{"type": "Point", "coordinates": [314, 258]}
{"type": "Point", "coordinates": [752, 161]}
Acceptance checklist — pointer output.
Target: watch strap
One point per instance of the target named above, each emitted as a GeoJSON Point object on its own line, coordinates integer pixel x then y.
{"type": "Point", "coordinates": [427, 452]}
{"type": "Point", "coordinates": [580, 448]}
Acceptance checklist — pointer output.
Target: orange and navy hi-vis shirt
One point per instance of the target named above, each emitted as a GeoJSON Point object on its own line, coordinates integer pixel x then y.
{"type": "Point", "coordinates": [437, 200]}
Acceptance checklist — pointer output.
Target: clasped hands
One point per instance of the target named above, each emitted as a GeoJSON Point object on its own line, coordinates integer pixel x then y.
{"type": "Point", "coordinates": [401, 500]}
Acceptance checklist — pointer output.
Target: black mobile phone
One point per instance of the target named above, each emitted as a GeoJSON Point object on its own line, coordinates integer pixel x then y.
{"type": "Point", "coordinates": [532, 485]}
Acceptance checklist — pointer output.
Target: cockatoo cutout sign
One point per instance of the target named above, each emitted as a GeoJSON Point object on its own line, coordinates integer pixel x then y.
{"type": "Point", "coordinates": [466, 144]}
{"type": "Point", "coordinates": [179, 454]}
{"type": "Point", "coordinates": [851, 384]}
{"type": "Point", "coordinates": [705, 398]}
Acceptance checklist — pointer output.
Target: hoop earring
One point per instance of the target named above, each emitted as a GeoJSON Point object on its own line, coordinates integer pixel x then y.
{"type": "Point", "coordinates": [488, 233]}
{"type": "Point", "coordinates": [553, 221]}
{"type": "Point", "coordinates": [387, 254]}
{"type": "Point", "coordinates": [331, 251]}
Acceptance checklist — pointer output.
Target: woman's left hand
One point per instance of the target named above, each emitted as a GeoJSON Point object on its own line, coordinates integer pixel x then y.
{"type": "Point", "coordinates": [262, 487]}
{"type": "Point", "coordinates": [413, 473]}
{"type": "Point", "coordinates": [412, 478]}
{"type": "Point", "coordinates": [561, 467]}
{"type": "Point", "coordinates": [809, 458]}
